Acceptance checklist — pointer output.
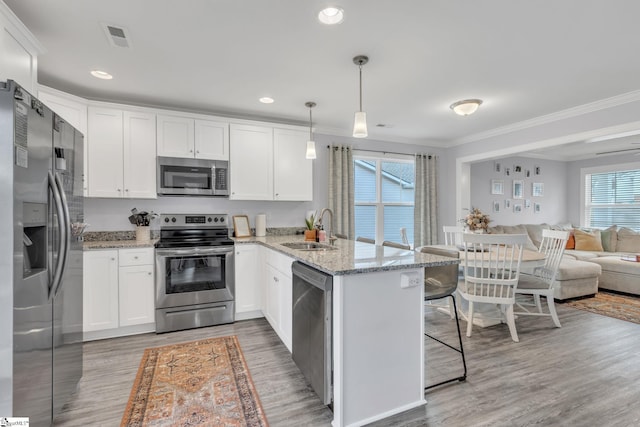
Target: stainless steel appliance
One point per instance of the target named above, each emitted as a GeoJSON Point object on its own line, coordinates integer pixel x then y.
{"type": "Point", "coordinates": [313, 328]}
{"type": "Point", "coordinates": [41, 258]}
{"type": "Point", "coordinates": [192, 177]}
{"type": "Point", "coordinates": [195, 280]}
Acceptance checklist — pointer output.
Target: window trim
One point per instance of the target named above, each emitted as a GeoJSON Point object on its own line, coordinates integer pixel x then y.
{"type": "Point", "coordinates": [595, 170]}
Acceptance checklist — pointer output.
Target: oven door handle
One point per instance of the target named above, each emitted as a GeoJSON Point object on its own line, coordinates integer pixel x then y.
{"type": "Point", "coordinates": [193, 251]}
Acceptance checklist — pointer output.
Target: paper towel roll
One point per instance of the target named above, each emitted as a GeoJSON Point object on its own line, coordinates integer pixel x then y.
{"type": "Point", "coordinates": [261, 225]}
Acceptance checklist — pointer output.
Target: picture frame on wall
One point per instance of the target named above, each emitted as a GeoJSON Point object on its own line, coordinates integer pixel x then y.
{"type": "Point", "coordinates": [518, 189]}
{"type": "Point", "coordinates": [507, 204]}
{"type": "Point", "coordinates": [497, 167]}
{"type": "Point", "coordinates": [536, 208]}
{"type": "Point", "coordinates": [497, 186]}
{"type": "Point", "coordinates": [537, 189]}
{"type": "Point", "coordinates": [496, 206]}
{"type": "Point", "coordinates": [517, 207]}
{"type": "Point", "coordinates": [527, 173]}
{"type": "Point", "coordinates": [537, 170]}
{"type": "Point", "coordinates": [517, 169]}
{"type": "Point", "coordinates": [527, 204]}
{"type": "Point", "coordinates": [507, 171]}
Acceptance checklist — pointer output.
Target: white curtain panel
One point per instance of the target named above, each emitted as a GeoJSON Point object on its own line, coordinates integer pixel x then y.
{"type": "Point", "coordinates": [341, 189]}
{"type": "Point", "coordinates": [425, 217]}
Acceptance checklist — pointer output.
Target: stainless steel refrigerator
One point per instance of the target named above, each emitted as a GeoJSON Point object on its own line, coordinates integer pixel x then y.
{"type": "Point", "coordinates": [41, 207]}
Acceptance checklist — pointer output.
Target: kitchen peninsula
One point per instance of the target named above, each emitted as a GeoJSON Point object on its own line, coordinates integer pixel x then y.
{"type": "Point", "coordinates": [378, 326]}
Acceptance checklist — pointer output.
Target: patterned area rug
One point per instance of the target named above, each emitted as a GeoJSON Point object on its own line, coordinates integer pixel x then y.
{"type": "Point", "coordinates": [199, 383]}
{"type": "Point", "coordinates": [609, 304]}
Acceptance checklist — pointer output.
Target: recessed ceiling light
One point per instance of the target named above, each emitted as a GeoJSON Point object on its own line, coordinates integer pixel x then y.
{"type": "Point", "coordinates": [101, 74]}
{"type": "Point", "coordinates": [266, 100]}
{"type": "Point", "coordinates": [331, 15]}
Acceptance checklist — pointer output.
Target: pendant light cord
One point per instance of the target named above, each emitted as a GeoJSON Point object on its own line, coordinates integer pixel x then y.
{"type": "Point", "coordinates": [310, 125]}
{"type": "Point", "coordinates": [360, 66]}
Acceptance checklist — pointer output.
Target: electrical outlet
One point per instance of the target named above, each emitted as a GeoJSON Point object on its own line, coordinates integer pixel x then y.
{"type": "Point", "coordinates": [409, 280]}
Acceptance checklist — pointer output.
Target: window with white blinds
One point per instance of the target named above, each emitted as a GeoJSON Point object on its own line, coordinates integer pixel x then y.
{"type": "Point", "coordinates": [612, 198]}
{"type": "Point", "coordinates": [384, 198]}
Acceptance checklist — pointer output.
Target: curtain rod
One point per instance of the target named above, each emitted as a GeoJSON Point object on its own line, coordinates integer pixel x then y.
{"type": "Point", "coordinates": [385, 152]}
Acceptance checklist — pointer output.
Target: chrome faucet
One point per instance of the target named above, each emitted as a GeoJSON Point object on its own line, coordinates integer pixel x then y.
{"type": "Point", "coordinates": [330, 238]}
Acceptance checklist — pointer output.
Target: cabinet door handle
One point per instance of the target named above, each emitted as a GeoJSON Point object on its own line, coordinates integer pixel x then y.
{"type": "Point", "coordinates": [149, 273]}
{"type": "Point", "coordinates": [135, 257]}
{"type": "Point", "coordinates": [113, 259]}
{"type": "Point", "coordinates": [275, 279]}
{"type": "Point", "coordinates": [126, 189]}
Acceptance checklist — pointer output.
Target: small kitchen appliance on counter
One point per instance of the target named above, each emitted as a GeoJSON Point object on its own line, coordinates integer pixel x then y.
{"type": "Point", "coordinates": [195, 279]}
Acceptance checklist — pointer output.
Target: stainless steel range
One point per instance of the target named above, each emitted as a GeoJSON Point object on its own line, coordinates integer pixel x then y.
{"type": "Point", "coordinates": [195, 283]}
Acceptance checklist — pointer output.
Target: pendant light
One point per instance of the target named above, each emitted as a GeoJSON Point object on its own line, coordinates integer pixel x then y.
{"type": "Point", "coordinates": [311, 145]}
{"type": "Point", "coordinates": [360, 119]}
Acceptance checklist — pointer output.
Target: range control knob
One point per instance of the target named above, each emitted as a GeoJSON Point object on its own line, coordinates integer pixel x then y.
{"type": "Point", "coordinates": [215, 219]}
{"type": "Point", "coordinates": [173, 219]}
{"type": "Point", "coordinates": [209, 219]}
{"type": "Point", "coordinates": [166, 220]}
{"type": "Point", "coordinates": [221, 219]}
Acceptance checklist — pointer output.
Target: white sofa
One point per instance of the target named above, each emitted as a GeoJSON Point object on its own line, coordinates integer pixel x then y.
{"type": "Point", "coordinates": [581, 272]}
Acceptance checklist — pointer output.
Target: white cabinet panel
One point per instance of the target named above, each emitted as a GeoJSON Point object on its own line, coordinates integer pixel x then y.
{"type": "Point", "coordinates": [248, 278]}
{"type": "Point", "coordinates": [293, 172]}
{"type": "Point", "coordinates": [278, 301]}
{"type": "Point", "coordinates": [100, 290]}
{"type": "Point", "coordinates": [211, 140]}
{"type": "Point", "coordinates": [272, 300]}
{"type": "Point", "coordinates": [136, 295]}
{"type": "Point", "coordinates": [139, 155]}
{"type": "Point", "coordinates": [104, 144]}
{"type": "Point", "coordinates": [175, 136]}
{"type": "Point", "coordinates": [251, 162]}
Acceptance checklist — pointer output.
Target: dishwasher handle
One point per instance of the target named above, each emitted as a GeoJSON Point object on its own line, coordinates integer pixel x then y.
{"type": "Point", "coordinates": [312, 276]}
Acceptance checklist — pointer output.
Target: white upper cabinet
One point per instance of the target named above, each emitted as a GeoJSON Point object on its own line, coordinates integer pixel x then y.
{"type": "Point", "coordinates": [121, 153]}
{"type": "Point", "coordinates": [293, 172]}
{"type": "Point", "coordinates": [251, 163]}
{"type": "Point", "coordinates": [192, 138]}
{"type": "Point", "coordinates": [269, 164]}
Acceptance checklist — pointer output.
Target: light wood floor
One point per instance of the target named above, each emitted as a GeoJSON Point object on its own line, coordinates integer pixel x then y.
{"type": "Point", "coordinates": [586, 373]}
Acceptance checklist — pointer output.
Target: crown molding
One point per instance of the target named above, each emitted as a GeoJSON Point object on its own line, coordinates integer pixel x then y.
{"type": "Point", "coordinates": [591, 107]}
{"type": "Point", "coordinates": [21, 30]}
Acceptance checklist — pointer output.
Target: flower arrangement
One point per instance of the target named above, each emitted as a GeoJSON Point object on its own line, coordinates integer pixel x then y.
{"type": "Point", "coordinates": [142, 219]}
{"type": "Point", "coordinates": [476, 220]}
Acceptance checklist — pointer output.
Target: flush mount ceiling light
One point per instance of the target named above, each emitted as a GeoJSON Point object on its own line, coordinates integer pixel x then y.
{"type": "Point", "coordinates": [101, 74]}
{"type": "Point", "coordinates": [466, 107]}
{"type": "Point", "coordinates": [266, 100]}
{"type": "Point", "coordinates": [331, 15]}
{"type": "Point", "coordinates": [360, 119]}
{"type": "Point", "coordinates": [311, 145]}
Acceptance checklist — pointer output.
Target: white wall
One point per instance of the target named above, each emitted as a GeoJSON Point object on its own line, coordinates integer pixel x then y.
{"type": "Point", "coordinates": [553, 203]}
{"type": "Point", "coordinates": [112, 214]}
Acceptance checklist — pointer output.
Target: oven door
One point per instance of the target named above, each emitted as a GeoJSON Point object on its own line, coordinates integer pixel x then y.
{"type": "Point", "coordinates": [189, 276]}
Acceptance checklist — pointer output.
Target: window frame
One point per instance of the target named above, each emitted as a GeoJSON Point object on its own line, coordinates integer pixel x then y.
{"type": "Point", "coordinates": [585, 219]}
{"type": "Point", "coordinates": [379, 205]}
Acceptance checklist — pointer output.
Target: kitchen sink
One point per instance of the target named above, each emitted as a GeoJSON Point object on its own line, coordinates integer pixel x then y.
{"type": "Point", "coordinates": [309, 246]}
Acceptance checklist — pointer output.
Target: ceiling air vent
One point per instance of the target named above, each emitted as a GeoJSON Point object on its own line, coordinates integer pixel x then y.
{"type": "Point", "coordinates": [117, 36]}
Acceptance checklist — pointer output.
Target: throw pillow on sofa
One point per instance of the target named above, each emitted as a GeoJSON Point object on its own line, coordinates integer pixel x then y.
{"type": "Point", "coordinates": [588, 241]}
{"type": "Point", "coordinates": [571, 242]}
{"type": "Point", "coordinates": [609, 238]}
{"type": "Point", "coordinates": [628, 240]}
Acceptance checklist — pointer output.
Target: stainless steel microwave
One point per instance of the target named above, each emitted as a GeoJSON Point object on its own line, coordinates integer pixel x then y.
{"type": "Point", "coordinates": [192, 177]}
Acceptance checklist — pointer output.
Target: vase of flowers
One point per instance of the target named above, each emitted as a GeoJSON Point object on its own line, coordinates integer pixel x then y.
{"type": "Point", "coordinates": [476, 221]}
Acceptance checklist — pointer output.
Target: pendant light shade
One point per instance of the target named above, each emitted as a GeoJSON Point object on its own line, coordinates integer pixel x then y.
{"type": "Point", "coordinates": [311, 145]}
{"type": "Point", "coordinates": [360, 118]}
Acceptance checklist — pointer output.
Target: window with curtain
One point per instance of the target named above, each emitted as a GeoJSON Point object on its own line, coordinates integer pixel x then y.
{"type": "Point", "coordinates": [612, 198]}
{"type": "Point", "coordinates": [384, 197]}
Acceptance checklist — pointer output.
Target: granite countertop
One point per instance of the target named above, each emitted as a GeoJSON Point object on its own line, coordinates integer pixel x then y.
{"type": "Point", "coordinates": [351, 257]}
{"type": "Point", "coordinates": [117, 244]}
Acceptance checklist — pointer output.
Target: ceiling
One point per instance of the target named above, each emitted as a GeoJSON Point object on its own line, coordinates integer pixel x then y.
{"type": "Point", "coordinates": [525, 59]}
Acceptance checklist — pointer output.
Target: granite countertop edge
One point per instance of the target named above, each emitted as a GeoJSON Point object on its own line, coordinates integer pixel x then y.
{"type": "Point", "coordinates": [117, 244]}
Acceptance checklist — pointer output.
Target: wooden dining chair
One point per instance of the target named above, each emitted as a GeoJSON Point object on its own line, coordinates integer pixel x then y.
{"type": "Point", "coordinates": [452, 235]}
{"type": "Point", "coordinates": [491, 266]}
{"type": "Point", "coordinates": [541, 280]}
{"type": "Point", "coordinates": [365, 240]}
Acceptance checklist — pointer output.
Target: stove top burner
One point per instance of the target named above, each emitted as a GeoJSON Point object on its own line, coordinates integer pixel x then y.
{"type": "Point", "coordinates": [193, 230]}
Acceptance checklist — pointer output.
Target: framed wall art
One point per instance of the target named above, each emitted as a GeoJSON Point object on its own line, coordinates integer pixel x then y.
{"type": "Point", "coordinates": [497, 186]}
{"type": "Point", "coordinates": [496, 206]}
{"type": "Point", "coordinates": [536, 208]}
{"type": "Point", "coordinates": [517, 207]}
{"type": "Point", "coordinates": [507, 204]}
{"type": "Point", "coordinates": [537, 189]}
{"type": "Point", "coordinates": [241, 226]}
{"type": "Point", "coordinates": [518, 189]}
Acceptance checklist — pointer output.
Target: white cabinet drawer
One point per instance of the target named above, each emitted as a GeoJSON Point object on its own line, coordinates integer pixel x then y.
{"type": "Point", "coordinates": [279, 261]}
{"type": "Point", "coordinates": [138, 256]}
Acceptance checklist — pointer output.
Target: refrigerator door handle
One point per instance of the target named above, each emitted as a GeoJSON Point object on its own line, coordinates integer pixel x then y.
{"type": "Point", "coordinates": [67, 230]}
{"type": "Point", "coordinates": [57, 276]}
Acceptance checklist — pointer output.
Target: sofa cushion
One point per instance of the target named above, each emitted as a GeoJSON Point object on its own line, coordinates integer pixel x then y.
{"type": "Point", "coordinates": [514, 229]}
{"type": "Point", "coordinates": [574, 269]}
{"type": "Point", "coordinates": [615, 263]}
{"type": "Point", "coordinates": [588, 241]}
{"type": "Point", "coordinates": [628, 240]}
{"type": "Point", "coordinates": [609, 238]}
{"type": "Point", "coordinates": [535, 232]}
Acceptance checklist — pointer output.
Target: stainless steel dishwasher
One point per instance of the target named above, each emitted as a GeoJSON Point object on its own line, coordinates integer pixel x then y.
{"type": "Point", "coordinates": [312, 328]}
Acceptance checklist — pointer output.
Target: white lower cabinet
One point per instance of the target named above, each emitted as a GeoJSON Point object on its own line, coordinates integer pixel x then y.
{"type": "Point", "coordinates": [278, 298]}
{"type": "Point", "coordinates": [248, 281]}
{"type": "Point", "coordinates": [118, 293]}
